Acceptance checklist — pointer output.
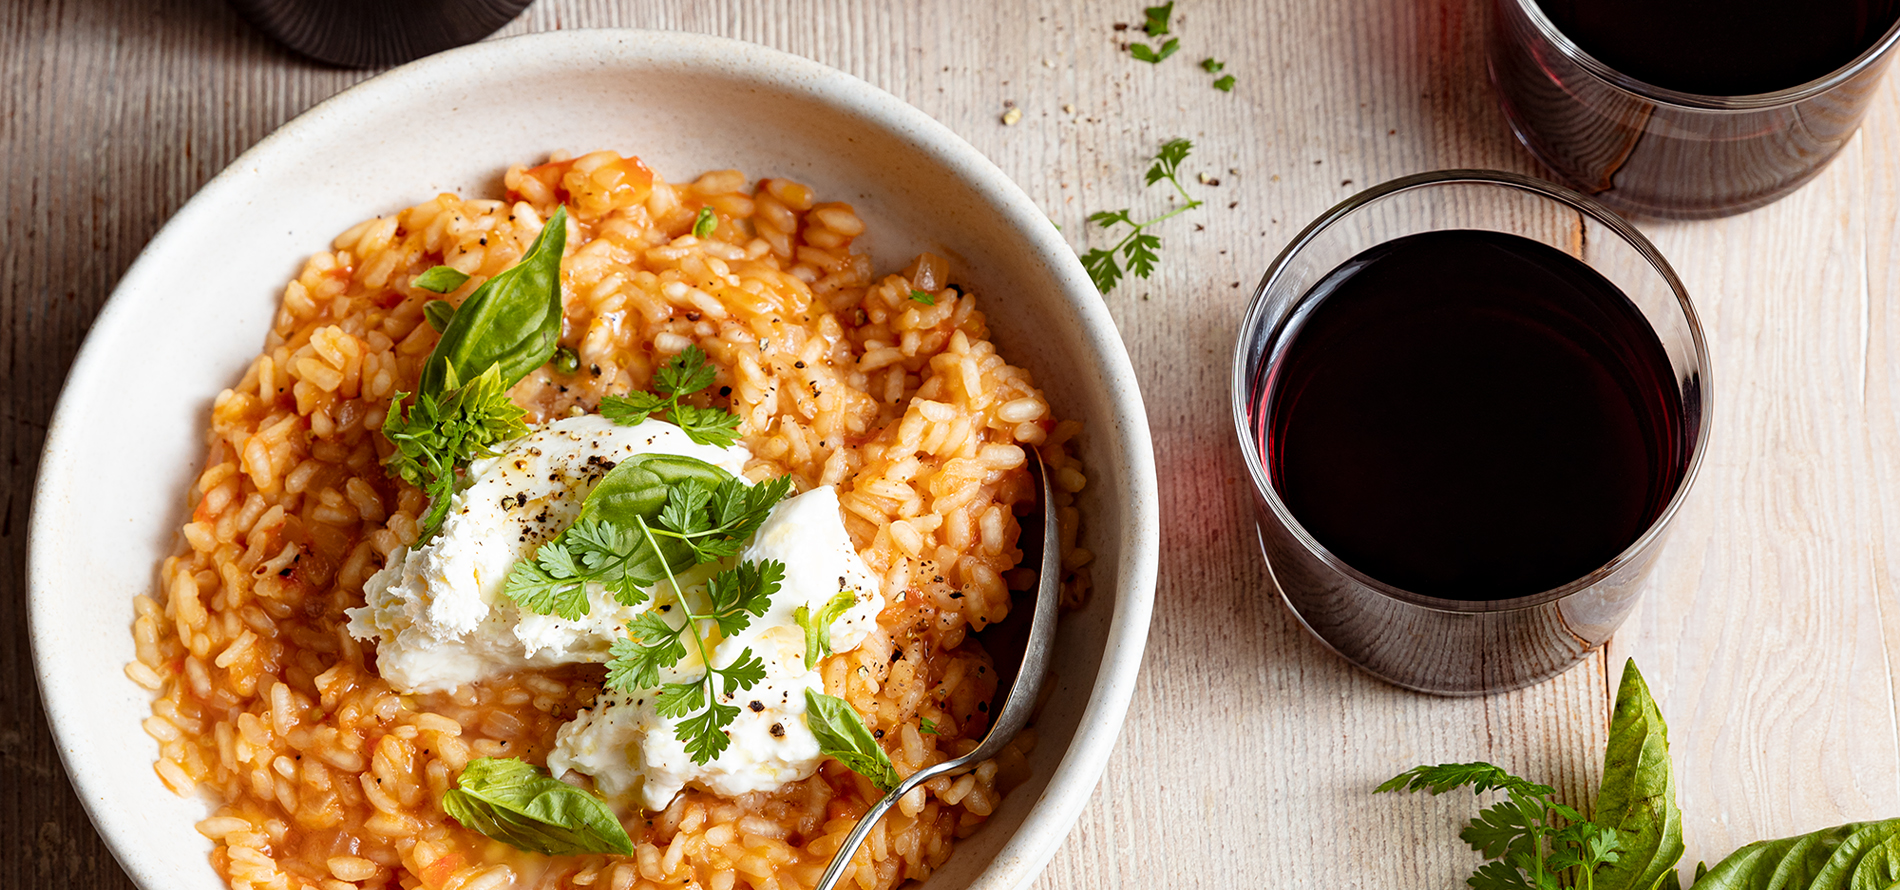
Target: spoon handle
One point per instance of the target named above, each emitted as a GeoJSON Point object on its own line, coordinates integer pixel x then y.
{"type": "Point", "coordinates": [1017, 704]}
{"type": "Point", "coordinates": [842, 859]}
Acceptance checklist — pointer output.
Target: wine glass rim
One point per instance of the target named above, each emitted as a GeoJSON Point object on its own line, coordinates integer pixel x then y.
{"type": "Point", "coordinates": [1650, 92]}
{"type": "Point", "coordinates": [1243, 372]}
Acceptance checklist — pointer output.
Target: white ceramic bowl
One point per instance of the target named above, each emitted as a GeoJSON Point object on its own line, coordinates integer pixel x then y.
{"type": "Point", "coordinates": [193, 310]}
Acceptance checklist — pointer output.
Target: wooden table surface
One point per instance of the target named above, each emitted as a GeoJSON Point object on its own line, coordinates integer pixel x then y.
{"type": "Point", "coordinates": [1771, 635]}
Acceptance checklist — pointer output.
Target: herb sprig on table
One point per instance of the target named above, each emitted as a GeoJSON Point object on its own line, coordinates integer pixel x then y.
{"type": "Point", "coordinates": [1530, 838]}
{"type": "Point", "coordinates": [508, 327]}
{"type": "Point", "coordinates": [1533, 842]}
{"type": "Point", "coordinates": [1225, 82]}
{"type": "Point", "coordinates": [1156, 25]}
{"type": "Point", "coordinates": [1139, 248]}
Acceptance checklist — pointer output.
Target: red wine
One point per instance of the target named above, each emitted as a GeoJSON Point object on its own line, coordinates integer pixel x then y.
{"type": "Point", "coordinates": [1471, 415]}
{"type": "Point", "coordinates": [1697, 158]}
{"type": "Point", "coordinates": [1724, 47]}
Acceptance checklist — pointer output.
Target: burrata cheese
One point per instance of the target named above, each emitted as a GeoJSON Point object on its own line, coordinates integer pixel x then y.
{"type": "Point", "coordinates": [437, 611]}
{"type": "Point", "coordinates": [630, 750]}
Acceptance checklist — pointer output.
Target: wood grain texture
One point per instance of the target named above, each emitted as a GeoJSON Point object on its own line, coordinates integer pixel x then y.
{"type": "Point", "coordinates": [1772, 634]}
{"type": "Point", "coordinates": [1769, 636]}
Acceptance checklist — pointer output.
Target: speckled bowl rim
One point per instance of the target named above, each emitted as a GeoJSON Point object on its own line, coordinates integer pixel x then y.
{"type": "Point", "coordinates": [66, 697]}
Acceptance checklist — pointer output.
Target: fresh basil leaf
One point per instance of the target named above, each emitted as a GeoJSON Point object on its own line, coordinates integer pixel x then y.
{"type": "Point", "coordinates": [1869, 858]}
{"type": "Point", "coordinates": [842, 736]}
{"type": "Point", "coordinates": [521, 805]}
{"type": "Point", "coordinates": [1823, 860]}
{"type": "Point", "coordinates": [438, 313]}
{"type": "Point", "coordinates": [818, 628]}
{"type": "Point", "coordinates": [638, 486]}
{"type": "Point", "coordinates": [1880, 868]}
{"type": "Point", "coordinates": [639, 489]}
{"type": "Point", "coordinates": [512, 321]}
{"type": "Point", "coordinates": [1638, 794]}
{"type": "Point", "coordinates": [441, 279]}
{"type": "Point", "coordinates": [705, 223]}
{"type": "Point", "coordinates": [917, 296]}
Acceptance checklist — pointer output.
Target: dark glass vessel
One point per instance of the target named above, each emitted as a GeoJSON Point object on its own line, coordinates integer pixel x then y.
{"type": "Point", "coordinates": [1472, 415]}
{"type": "Point", "coordinates": [1469, 404]}
{"type": "Point", "coordinates": [1688, 108]}
{"type": "Point", "coordinates": [375, 33]}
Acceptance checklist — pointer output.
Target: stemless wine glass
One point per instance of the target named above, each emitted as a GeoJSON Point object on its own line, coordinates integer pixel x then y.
{"type": "Point", "coordinates": [1427, 643]}
{"type": "Point", "coordinates": [373, 33]}
{"type": "Point", "coordinates": [1642, 148]}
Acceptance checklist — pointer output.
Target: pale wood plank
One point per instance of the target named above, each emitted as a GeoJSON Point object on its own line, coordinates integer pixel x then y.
{"type": "Point", "coordinates": [1880, 393]}
{"type": "Point", "coordinates": [1249, 747]}
{"type": "Point", "coordinates": [1767, 635]}
{"type": "Point", "coordinates": [1771, 638]}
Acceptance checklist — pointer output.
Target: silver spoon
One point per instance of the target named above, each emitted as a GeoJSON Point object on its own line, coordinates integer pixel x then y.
{"type": "Point", "coordinates": [1017, 704]}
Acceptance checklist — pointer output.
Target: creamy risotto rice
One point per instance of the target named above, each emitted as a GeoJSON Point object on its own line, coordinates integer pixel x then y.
{"type": "Point", "coordinates": [326, 776]}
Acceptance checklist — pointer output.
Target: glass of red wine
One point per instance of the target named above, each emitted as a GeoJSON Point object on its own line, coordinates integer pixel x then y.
{"type": "Point", "coordinates": [375, 33]}
{"type": "Point", "coordinates": [1470, 402]}
{"type": "Point", "coordinates": [1688, 108]}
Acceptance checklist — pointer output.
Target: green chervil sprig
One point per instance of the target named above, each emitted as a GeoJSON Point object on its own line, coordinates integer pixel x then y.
{"type": "Point", "coordinates": [1156, 25]}
{"type": "Point", "coordinates": [681, 376]}
{"type": "Point", "coordinates": [445, 431]}
{"type": "Point", "coordinates": [733, 598]}
{"type": "Point", "coordinates": [1530, 838]}
{"type": "Point", "coordinates": [631, 546]}
{"type": "Point", "coordinates": [1139, 248]}
{"type": "Point", "coordinates": [649, 519]}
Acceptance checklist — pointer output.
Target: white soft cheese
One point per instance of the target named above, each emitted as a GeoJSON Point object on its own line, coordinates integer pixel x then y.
{"type": "Point", "coordinates": [437, 611]}
{"type": "Point", "coordinates": [628, 748]}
